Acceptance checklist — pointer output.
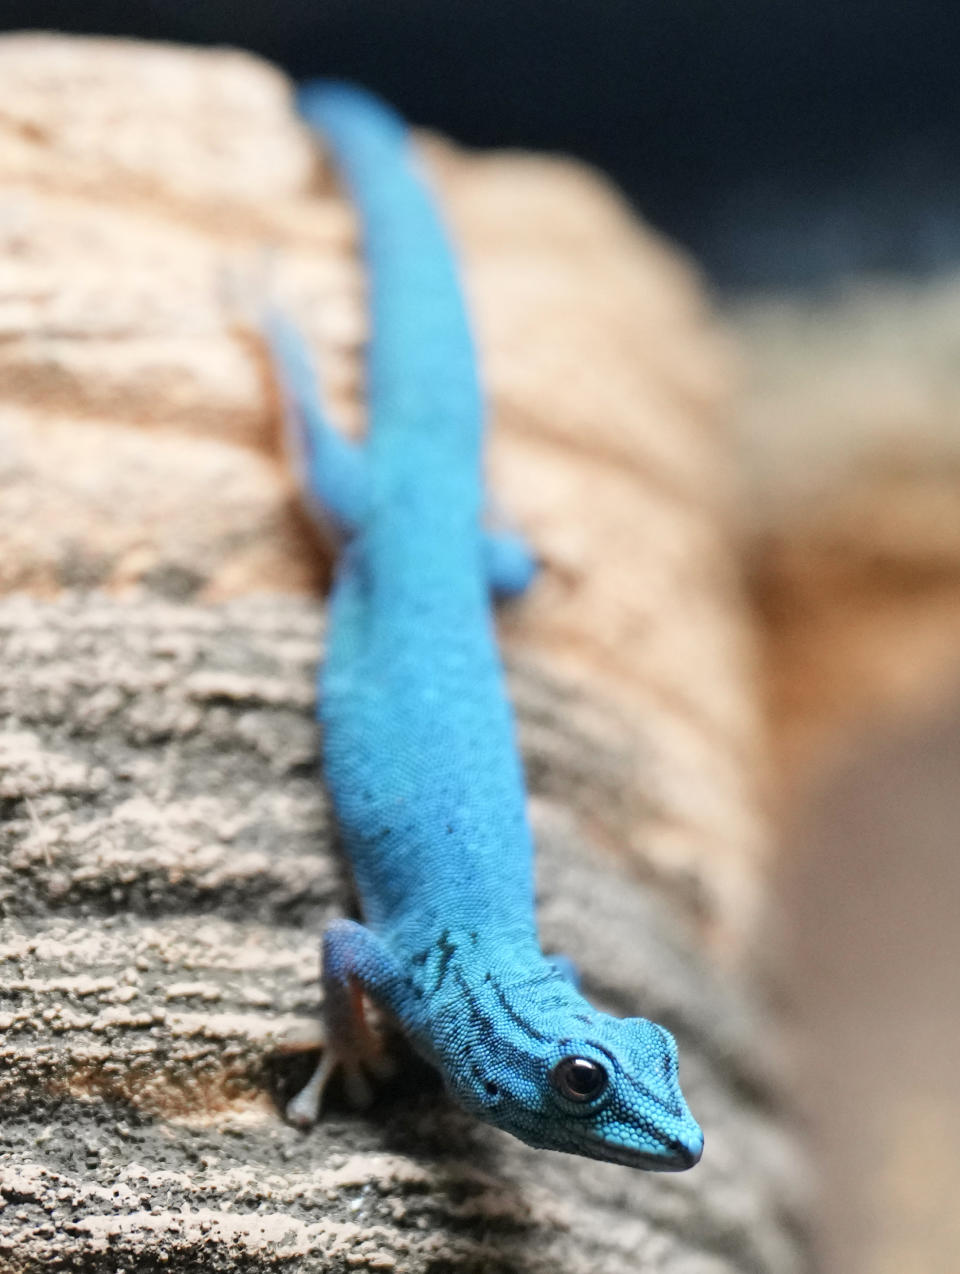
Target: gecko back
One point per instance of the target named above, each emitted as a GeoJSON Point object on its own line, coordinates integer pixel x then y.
{"type": "Point", "coordinates": [419, 747]}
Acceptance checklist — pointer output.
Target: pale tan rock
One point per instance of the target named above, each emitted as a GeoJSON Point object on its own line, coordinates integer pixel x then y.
{"type": "Point", "coordinates": [140, 413]}
{"type": "Point", "coordinates": [167, 859]}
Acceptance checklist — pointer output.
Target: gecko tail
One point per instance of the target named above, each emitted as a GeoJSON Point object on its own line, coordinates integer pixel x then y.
{"type": "Point", "coordinates": [421, 461]}
{"type": "Point", "coordinates": [426, 409]}
{"type": "Point", "coordinates": [345, 111]}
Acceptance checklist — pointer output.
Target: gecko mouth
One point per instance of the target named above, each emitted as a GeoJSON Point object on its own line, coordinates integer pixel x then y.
{"type": "Point", "coordinates": [675, 1157]}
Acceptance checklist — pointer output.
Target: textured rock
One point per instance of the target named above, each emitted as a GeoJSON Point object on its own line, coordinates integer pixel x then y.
{"type": "Point", "coordinates": [166, 869]}
{"type": "Point", "coordinates": [166, 854]}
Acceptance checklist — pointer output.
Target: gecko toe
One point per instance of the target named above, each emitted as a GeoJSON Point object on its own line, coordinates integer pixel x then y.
{"type": "Point", "coordinates": [303, 1110]}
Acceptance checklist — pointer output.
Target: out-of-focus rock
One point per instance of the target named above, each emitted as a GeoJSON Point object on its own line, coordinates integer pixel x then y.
{"type": "Point", "coordinates": [850, 440]}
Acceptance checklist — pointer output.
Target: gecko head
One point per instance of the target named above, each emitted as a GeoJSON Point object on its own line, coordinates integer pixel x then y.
{"type": "Point", "coordinates": [607, 1089]}
{"type": "Point", "coordinates": [614, 1095]}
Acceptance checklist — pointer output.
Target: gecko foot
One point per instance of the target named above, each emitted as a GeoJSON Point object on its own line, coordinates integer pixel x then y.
{"type": "Point", "coordinates": [357, 971]}
{"type": "Point", "coordinates": [304, 1109]}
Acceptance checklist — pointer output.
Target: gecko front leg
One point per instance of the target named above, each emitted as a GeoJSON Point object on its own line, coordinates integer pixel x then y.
{"type": "Point", "coordinates": [354, 964]}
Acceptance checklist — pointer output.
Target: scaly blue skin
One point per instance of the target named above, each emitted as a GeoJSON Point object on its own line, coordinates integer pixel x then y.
{"type": "Point", "coordinates": [419, 745]}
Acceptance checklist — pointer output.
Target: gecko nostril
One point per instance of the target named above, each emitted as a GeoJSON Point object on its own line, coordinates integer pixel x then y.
{"type": "Point", "coordinates": [689, 1152]}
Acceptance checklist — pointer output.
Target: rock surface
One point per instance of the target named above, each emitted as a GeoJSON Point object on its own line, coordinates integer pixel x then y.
{"type": "Point", "coordinates": [166, 854]}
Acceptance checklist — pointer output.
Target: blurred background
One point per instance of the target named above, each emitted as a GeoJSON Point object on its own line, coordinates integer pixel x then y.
{"type": "Point", "coordinates": [784, 142]}
{"type": "Point", "coordinates": [806, 155]}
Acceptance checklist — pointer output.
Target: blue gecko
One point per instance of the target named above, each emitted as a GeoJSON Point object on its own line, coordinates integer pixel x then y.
{"type": "Point", "coordinates": [419, 747]}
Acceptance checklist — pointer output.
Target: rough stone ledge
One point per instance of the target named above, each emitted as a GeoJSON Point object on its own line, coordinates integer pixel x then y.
{"type": "Point", "coordinates": [166, 868]}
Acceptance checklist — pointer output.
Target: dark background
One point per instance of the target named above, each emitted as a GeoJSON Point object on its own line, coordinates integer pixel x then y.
{"type": "Point", "coordinates": [787, 142]}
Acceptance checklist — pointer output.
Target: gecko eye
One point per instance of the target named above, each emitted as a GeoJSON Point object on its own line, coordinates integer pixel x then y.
{"type": "Point", "coordinates": [578, 1079]}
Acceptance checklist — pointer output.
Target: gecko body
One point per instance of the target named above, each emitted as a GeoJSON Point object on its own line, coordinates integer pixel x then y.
{"type": "Point", "coordinates": [419, 749]}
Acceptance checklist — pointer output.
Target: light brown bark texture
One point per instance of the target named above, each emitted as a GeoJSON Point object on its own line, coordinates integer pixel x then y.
{"type": "Point", "coordinates": [167, 858]}
{"type": "Point", "coordinates": [850, 432]}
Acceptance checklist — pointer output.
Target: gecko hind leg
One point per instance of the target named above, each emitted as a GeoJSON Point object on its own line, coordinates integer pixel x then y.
{"type": "Point", "coordinates": [332, 470]}
{"type": "Point", "coordinates": [510, 563]}
{"type": "Point", "coordinates": [355, 963]}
